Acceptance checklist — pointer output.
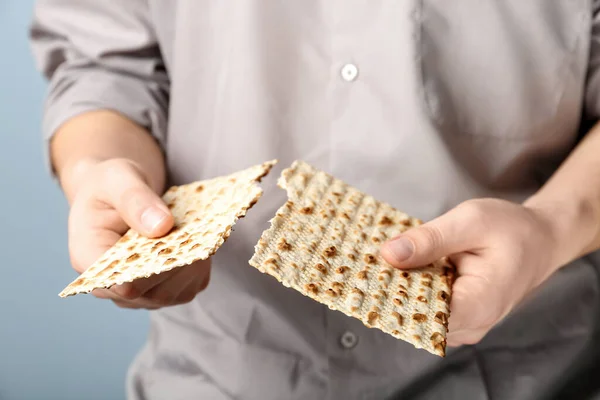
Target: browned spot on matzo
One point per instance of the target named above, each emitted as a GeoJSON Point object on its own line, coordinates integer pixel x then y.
{"type": "Point", "coordinates": [420, 317]}
{"type": "Point", "coordinates": [284, 245]}
{"type": "Point", "coordinates": [330, 251]}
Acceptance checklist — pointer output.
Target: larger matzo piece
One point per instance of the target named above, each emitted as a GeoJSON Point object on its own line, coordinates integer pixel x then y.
{"type": "Point", "coordinates": [204, 213]}
{"type": "Point", "coordinates": [324, 242]}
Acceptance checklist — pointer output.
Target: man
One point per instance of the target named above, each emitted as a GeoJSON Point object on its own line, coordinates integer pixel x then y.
{"type": "Point", "coordinates": [462, 113]}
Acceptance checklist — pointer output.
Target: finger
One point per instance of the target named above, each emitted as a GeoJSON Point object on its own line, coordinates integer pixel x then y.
{"type": "Point", "coordinates": [94, 227]}
{"type": "Point", "coordinates": [129, 291]}
{"type": "Point", "coordinates": [465, 337]}
{"type": "Point", "coordinates": [140, 287]}
{"type": "Point", "coordinates": [139, 206]}
{"type": "Point", "coordinates": [189, 280]}
{"type": "Point", "coordinates": [106, 294]}
{"type": "Point", "coordinates": [168, 291]}
{"type": "Point", "coordinates": [92, 231]}
{"type": "Point", "coordinates": [192, 290]}
{"type": "Point", "coordinates": [132, 305]}
{"type": "Point", "coordinates": [454, 232]}
{"type": "Point", "coordinates": [138, 303]}
{"type": "Point", "coordinates": [473, 306]}
{"type": "Point", "coordinates": [102, 294]}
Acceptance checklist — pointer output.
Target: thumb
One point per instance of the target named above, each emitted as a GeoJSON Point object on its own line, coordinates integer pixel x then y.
{"type": "Point", "coordinates": [139, 206]}
{"type": "Point", "coordinates": [425, 244]}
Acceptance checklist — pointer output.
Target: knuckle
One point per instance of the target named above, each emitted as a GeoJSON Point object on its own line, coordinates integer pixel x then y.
{"type": "Point", "coordinates": [86, 192]}
{"type": "Point", "coordinates": [133, 197]}
{"type": "Point", "coordinates": [475, 310]}
{"type": "Point", "coordinates": [116, 167]}
{"type": "Point", "coordinates": [432, 237]}
{"type": "Point", "coordinates": [111, 170]}
{"type": "Point", "coordinates": [473, 211]}
{"type": "Point", "coordinates": [485, 312]}
{"type": "Point", "coordinates": [124, 170]}
{"type": "Point", "coordinates": [459, 296]}
{"type": "Point", "coordinates": [122, 174]}
{"type": "Point", "coordinates": [127, 291]}
{"type": "Point", "coordinates": [76, 256]}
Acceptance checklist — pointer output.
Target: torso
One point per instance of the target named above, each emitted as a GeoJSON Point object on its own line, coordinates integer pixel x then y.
{"type": "Point", "coordinates": [452, 100]}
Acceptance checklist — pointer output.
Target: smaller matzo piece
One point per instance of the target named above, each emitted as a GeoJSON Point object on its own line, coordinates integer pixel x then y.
{"type": "Point", "coordinates": [204, 213]}
{"type": "Point", "coordinates": [324, 242]}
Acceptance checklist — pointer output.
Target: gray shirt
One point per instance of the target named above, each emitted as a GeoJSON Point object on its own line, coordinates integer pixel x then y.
{"type": "Point", "coordinates": [421, 103]}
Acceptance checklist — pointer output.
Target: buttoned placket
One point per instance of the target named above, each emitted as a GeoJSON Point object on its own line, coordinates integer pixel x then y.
{"type": "Point", "coordinates": [342, 340]}
{"type": "Point", "coordinates": [365, 79]}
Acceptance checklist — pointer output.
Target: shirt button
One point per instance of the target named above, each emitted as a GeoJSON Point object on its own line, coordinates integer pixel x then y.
{"type": "Point", "coordinates": [348, 340]}
{"type": "Point", "coordinates": [349, 72]}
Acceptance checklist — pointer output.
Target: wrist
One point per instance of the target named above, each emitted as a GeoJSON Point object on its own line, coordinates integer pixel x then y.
{"type": "Point", "coordinates": [571, 226]}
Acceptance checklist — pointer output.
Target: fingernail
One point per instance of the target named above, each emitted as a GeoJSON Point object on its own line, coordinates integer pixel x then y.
{"type": "Point", "coordinates": [401, 248]}
{"type": "Point", "coordinates": [152, 217]}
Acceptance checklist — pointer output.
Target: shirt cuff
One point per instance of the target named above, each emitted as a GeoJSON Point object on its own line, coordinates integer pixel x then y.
{"type": "Point", "coordinates": [80, 92]}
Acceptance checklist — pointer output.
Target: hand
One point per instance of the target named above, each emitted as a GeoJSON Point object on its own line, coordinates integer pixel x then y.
{"type": "Point", "coordinates": [502, 251]}
{"type": "Point", "coordinates": [111, 197]}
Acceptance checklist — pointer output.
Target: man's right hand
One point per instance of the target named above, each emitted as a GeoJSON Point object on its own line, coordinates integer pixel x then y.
{"type": "Point", "coordinates": [111, 197]}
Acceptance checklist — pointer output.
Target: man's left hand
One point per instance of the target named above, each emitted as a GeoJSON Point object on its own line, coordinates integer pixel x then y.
{"type": "Point", "coordinates": [502, 251]}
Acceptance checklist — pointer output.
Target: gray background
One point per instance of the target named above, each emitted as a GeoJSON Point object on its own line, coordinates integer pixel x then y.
{"type": "Point", "coordinates": [50, 348]}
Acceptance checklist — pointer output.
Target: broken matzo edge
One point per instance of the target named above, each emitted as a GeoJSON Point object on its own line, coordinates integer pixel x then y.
{"type": "Point", "coordinates": [324, 242]}
{"type": "Point", "coordinates": [204, 214]}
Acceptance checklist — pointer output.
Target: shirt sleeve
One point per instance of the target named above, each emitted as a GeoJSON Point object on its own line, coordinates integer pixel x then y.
{"type": "Point", "coordinates": [99, 55]}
